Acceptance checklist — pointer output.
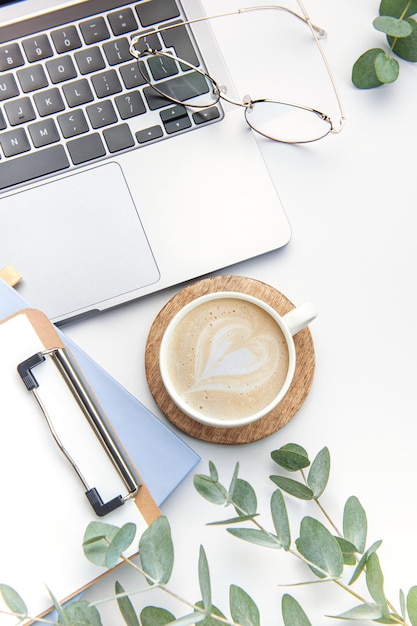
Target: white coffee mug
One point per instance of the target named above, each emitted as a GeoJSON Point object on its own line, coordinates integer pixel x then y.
{"type": "Point", "coordinates": [227, 358]}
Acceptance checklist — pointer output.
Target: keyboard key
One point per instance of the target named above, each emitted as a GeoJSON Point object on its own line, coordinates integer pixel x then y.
{"type": "Point", "coordinates": [73, 123]}
{"type": "Point", "coordinates": [78, 92]}
{"type": "Point", "coordinates": [154, 11]}
{"type": "Point", "coordinates": [94, 30]}
{"type": "Point", "coordinates": [106, 83]}
{"type": "Point", "coordinates": [32, 78]}
{"type": "Point", "coordinates": [43, 133]}
{"type": "Point", "coordinates": [130, 105]}
{"type": "Point", "coordinates": [3, 124]}
{"type": "Point", "coordinates": [206, 115]}
{"type": "Point", "coordinates": [117, 51]}
{"type": "Point", "coordinates": [118, 138]}
{"type": "Point", "coordinates": [162, 67]}
{"type": "Point", "coordinates": [149, 134]}
{"type": "Point", "coordinates": [19, 111]}
{"type": "Point", "coordinates": [131, 75]}
{"type": "Point", "coordinates": [86, 148]}
{"type": "Point", "coordinates": [66, 39]}
{"type": "Point", "coordinates": [122, 21]}
{"type": "Point", "coordinates": [179, 39]}
{"type": "Point", "coordinates": [37, 48]}
{"type": "Point", "coordinates": [33, 165]}
{"type": "Point", "coordinates": [175, 119]}
{"type": "Point", "coordinates": [90, 60]}
{"type": "Point", "coordinates": [101, 114]}
{"type": "Point", "coordinates": [8, 87]}
{"type": "Point", "coordinates": [10, 57]}
{"type": "Point", "coordinates": [49, 101]}
{"type": "Point", "coordinates": [14, 142]}
{"type": "Point", "coordinates": [61, 69]}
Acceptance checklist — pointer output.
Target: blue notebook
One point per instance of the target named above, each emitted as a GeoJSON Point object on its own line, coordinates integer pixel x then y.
{"type": "Point", "coordinates": [162, 459]}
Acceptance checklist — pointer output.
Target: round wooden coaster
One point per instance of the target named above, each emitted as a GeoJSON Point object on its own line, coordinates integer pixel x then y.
{"type": "Point", "coordinates": [270, 423]}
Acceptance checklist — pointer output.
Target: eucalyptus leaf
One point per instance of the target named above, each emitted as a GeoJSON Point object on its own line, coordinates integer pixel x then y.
{"type": "Point", "coordinates": [406, 48]}
{"type": "Point", "coordinates": [412, 605]}
{"type": "Point", "coordinates": [364, 75]}
{"type": "Point", "coordinates": [155, 616]}
{"type": "Point", "coordinates": [244, 498]}
{"type": "Point", "coordinates": [392, 26]}
{"type": "Point", "coordinates": [387, 69]}
{"type": "Point", "coordinates": [156, 551]}
{"type": "Point", "coordinates": [62, 618]}
{"type": "Point", "coordinates": [234, 520]}
{"type": "Point", "coordinates": [97, 538]}
{"type": "Point", "coordinates": [280, 519]}
{"type": "Point", "coordinates": [355, 525]}
{"type": "Point", "coordinates": [293, 487]}
{"type": "Point", "coordinates": [126, 607]}
{"type": "Point", "coordinates": [366, 611]}
{"type": "Point", "coordinates": [257, 536]}
{"type": "Point", "coordinates": [319, 547]}
{"type": "Point", "coordinates": [204, 580]}
{"type": "Point", "coordinates": [403, 606]}
{"type": "Point", "coordinates": [396, 8]}
{"type": "Point", "coordinates": [375, 583]}
{"type": "Point", "coordinates": [291, 457]}
{"type": "Point", "coordinates": [348, 551]}
{"type": "Point", "coordinates": [13, 600]}
{"type": "Point", "coordinates": [232, 484]}
{"type": "Point", "coordinates": [213, 471]}
{"type": "Point", "coordinates": [120, 542]}
{"type": "Point", "coordinates": [242, 608]}
{"type": "Point", "coordinates": [189, 619]}
{"type": "Point", "coordinates": [80, 613]}
{"type": "Point", "coordinates": [210, 489]}
{"type": "Point", "coordinates": [362, 563]}
{"type": "Point", "coordinates": [318, 475]}
{"type": "Point", "coordinates": [210, 620]}
{"type": "Point", "coordinates": [292, 613]}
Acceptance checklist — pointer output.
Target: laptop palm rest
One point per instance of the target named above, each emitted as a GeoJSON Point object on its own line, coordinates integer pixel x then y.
{"type": "Point", "coordinates": [99, 249]}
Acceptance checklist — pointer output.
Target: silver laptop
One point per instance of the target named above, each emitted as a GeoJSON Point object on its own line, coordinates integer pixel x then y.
{"type": "Point", "coordinates": [106, 194]}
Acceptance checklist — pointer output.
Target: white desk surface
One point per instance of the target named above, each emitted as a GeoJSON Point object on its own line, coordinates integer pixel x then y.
{"type": "Point", "coordinates": [351, 201]}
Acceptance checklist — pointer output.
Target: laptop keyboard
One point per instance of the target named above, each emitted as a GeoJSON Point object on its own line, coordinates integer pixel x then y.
{"type": "Point", "coordinates": [71, 93]}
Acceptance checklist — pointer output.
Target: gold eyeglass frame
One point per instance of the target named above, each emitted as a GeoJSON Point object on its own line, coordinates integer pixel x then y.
{"type": "Point", "coordinates": [247, 103]}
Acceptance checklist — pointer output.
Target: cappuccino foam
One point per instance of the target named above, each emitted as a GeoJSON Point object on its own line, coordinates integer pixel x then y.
{"type": "Point", "coordinates": [228, 358]}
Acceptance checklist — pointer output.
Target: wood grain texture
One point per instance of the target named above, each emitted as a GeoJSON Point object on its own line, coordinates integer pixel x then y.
{"type": "Point", "coordinates": [278, 417]}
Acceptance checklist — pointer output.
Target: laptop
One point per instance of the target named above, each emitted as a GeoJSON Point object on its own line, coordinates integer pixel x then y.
{"type": "Point", "coordinates": [106, 197]}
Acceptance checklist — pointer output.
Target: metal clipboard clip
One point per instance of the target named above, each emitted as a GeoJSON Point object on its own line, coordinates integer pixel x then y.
{"type": "Point", "coordinates": [95, 417]}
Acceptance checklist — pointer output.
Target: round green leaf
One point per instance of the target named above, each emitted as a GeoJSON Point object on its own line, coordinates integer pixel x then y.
{"type": "Point", "coordinates": [291, 457]}
{"type": "Point", "coordinates": [293, 487]}
{"type": "Point", "coordinates": [355, 524]}
{"type": "Point", "coordinates": [292, 613]}
{"type": "Point", "coordinates": [242, 608]}
{"type": "Point", "coordinates": [362, 612]}
{"type": "Point", "coordinates": [364, 75]}
{"type": "Point", "coordinates": [97, 538]}
{"type": "Point", "coordinates": [155, 616]}
{"type": "Point", "coordinates": [375, 583]}
{"type": "Point", "coordinates": [121, 541]}
{"type": "Point", "coordinates": [412, 605]}
{"type": "Point", "coordinates": [156, 551]}
{"type": "Point", "coordinates": [392, 26]}
{"type": "Point", "coordinates": [244, 498]}
{"type": "Point", "coordinates": [406, 48]}
{"type": "Point", "coordinates": [318, 475]}
{"type": "Point", "coordinates": [210, 489]}
{"type": "Point", "coordinates": [396, 8]}
{"type": "Point", "coordinates": [82, 614]}
{"type": "Point", "coordinates": [320, 548]}
{"type": "Point", "coordinates": [386, 68]}
{"type": "Point", "coordinates": [362, 563]}
{"type": "Point", "coordinates": [204, 580]}
{"type": "Point", "coordinates": [13, 600]}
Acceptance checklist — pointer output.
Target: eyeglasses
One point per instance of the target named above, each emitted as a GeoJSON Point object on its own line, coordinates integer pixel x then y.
{"type": "Point", "coordinates": [193, 87]}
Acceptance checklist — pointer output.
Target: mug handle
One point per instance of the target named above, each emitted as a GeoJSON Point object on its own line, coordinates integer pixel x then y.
{"type": "Point", "coordinates": [299, 317]}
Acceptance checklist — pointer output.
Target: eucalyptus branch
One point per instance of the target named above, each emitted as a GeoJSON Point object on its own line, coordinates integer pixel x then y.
{"type": "Point", "coordinates": [377, 66]}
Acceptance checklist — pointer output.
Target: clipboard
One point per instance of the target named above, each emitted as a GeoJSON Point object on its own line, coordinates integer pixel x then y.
{"type": "Point", "coordinates": [44, 509]}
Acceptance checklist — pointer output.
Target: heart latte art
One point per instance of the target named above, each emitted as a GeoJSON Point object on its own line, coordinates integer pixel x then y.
{"type": "Point", "coordinates": [228, 358]}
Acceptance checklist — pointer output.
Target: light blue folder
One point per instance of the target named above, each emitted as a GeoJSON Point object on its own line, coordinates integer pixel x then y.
{"type": "Point", "coordinates": [160, 456]}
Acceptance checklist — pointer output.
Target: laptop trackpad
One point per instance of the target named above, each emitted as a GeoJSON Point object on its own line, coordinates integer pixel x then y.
{"type": "Point", "coordinates": [81, 242]}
